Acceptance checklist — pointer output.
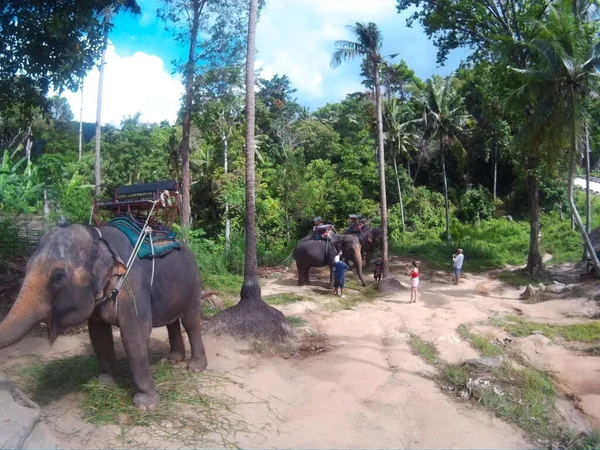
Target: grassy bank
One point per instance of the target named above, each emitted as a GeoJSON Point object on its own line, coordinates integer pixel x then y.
{"type": "Point", "coordinates": [520, 394]}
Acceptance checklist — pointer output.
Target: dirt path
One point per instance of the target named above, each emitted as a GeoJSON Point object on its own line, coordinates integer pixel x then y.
{"type": "Point", "coordinates": [368, 389]}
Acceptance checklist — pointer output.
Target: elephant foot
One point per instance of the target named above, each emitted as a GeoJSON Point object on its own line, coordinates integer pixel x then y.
{"type": "Point", "coordinates": [146, 402]}
{"type": "Point", "coordinates": [176, 356]}
{"type": "Point", "coordinates": [106, 380]}
{"type": "Point", "coordinates": [197, 364]}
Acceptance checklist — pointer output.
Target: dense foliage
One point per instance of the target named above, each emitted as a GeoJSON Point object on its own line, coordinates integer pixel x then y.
{"type": "Point", "coordinates": [454, 138]}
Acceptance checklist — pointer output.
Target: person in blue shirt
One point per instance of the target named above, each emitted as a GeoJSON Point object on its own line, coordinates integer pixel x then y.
{"type": "Point", "coordinates": [339, 273]}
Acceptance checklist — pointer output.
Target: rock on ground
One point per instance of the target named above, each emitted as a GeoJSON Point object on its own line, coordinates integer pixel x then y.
{"type": "Point", "coordinates": [18, 416]}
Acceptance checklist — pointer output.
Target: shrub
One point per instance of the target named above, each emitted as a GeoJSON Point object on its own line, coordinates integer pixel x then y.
{"type": "Point", "coordinates": [475, 205]}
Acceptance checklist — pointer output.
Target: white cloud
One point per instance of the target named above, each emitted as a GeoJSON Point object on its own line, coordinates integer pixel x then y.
{"type": "Point", "coordinates": [137, 83]}
{"type": "Point", "coordinates": [297, 38]}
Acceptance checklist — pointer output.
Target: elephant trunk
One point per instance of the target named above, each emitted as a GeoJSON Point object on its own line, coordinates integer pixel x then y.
{"type": "Point", "coordinates": [358, 261]}
{"type": "Point", "coordinates": [30, 308]}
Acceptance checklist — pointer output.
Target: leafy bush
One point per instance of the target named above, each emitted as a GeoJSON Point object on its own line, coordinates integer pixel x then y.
{"type": "Point", "coordinates": [475, 204]}
{"type": "Point", "coordinates": [20, 189]}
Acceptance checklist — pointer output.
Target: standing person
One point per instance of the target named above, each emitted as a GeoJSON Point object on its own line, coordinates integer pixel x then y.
{"type": "Point", "coordinates": [378, 267]}
{"type": "Point", "coordinates": [458, 259]}
{"type": "Point", "coordinates": [413, 273]}
{"type": "Point", "coordinates": [339, 274]}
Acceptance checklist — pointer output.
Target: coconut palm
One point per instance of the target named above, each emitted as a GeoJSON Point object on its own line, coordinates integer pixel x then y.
{"type": "Point", "coordinates": [368, 46]}
{"type": "Point", "coordinates": [444, 119]}
{"type": "Point", "coordinates": [251, 317]}
{"type": "Point", "coordinates": [398, 120]}
{"type": "Point", "coordinates": [562, 79]}
{"type": "Point", "coordinates": [108, 15]}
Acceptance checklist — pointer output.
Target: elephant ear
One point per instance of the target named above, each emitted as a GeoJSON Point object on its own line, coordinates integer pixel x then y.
{"type": "Point", "coordinates": [108, 266]}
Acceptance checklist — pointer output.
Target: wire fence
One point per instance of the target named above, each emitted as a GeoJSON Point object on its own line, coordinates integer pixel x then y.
{"type": "Point", "coordinates": [19, 236]}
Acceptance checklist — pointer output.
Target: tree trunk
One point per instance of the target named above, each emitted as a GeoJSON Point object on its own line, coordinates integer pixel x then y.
{"type": "Point", "coordinates": [535, 264]}
{"type": "Point", "coordinates": [446, 203]}
{"type": "Point", "coordinates": [399, 193]}
{"type": "Point", "coordinates": [588, 203]}
{"type": "Point", "coordinates": [577, 218]}
{"type": "Point", "coordinates": [81, 123]}
{"type": "Point", "coordinates": [225, 170]}
{"type": "Point", "coordinates": [186, 209]}
{"type": "Point", "coordinates": [381, 159]}
{"type": "Point", "coordinates": [251, 317]}
{"type": "Point", "coordinates": [99, 103]}
{"type": "Point", "coordinates": [28, 145]}
{"type": "Point", "coordinates": [495, 171]}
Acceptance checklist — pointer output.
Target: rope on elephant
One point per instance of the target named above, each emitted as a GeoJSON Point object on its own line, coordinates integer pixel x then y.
{"type": "Point", "coordinates": [146, 230]}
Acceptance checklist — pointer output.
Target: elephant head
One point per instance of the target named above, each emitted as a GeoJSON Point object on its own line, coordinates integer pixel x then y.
{"type": "Point", "coordinates": [350, 247]}
{"type": "Point", "coordinates": [71, 270]}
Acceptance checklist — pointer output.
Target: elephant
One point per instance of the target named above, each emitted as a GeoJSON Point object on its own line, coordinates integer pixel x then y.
{"type": "Point", "coordinates": [371, 241]}
{"type": "Point", "coordinates": [321, 253]}
{"type": "Point", "coordinates": [69, 279]}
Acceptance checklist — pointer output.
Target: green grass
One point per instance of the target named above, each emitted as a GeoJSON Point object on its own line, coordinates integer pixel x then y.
{"type": "Point", "coordinates": [283, 298]}
{"type": "Point", "coordinates": [480, 343]}
{"type": "Point", "coordinates": [296, 322]}
{"type": "Point", "coordinates": [426, 350]}
{"type": "Point", "coordinates": [351, 300]}
{"type": "Point", "coordinates": [527, 396]}
{"type": "Point", "coordinates": [487, 245]}
{"type": "Point", "coordinates": [581, 332]}
{"type": "Point", "coordinates": [192, 405]}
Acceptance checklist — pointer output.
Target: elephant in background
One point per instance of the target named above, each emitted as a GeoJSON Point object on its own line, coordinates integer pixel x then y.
{"type": "Point", "coordinates": [371, 241]}
{"type": "Point", "coordinates": [68, 280]}
{"type": "Point", "coordinates": [321, 253]}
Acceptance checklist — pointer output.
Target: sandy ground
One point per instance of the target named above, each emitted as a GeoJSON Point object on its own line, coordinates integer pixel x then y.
{"type": "Point", "coordinates": [367, 389]}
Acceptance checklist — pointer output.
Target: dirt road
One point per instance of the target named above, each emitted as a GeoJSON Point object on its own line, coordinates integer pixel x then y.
{"type": "Point", "coordinates": [367, 389]}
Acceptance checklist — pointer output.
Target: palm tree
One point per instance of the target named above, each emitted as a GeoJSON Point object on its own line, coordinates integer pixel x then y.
{"type": "Point", "coordinates": [251, 317]}
{"type": "Point", "coordinates": [562, 79]}
{"type": "Point", "coordinates": [108, 14]}
{"type": "Point", "coordinates": [398, 124]}
{"type": "Point", "coordinates": [368, 46]}
{"type": "Point", "coordinates": [444, 117]}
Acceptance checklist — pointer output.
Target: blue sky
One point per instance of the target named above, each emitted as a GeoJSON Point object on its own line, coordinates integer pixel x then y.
{"type": "Point", "coordinates": [294, 37]}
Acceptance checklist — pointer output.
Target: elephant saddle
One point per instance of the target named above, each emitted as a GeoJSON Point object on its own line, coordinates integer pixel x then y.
{"type": "Point", "coordinates": [355, 227]}
{"type": "Point", "coordinates": [156, 244]}
{"type": "Point", "coordinates": [322, 232]}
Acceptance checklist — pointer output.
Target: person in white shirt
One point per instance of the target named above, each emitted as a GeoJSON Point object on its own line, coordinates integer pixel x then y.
{"type": "Point", "coordinates": [458, 263]}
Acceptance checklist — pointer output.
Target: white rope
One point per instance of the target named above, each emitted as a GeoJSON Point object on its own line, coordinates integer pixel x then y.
{"type": "Point", "coordinates": [152, 247]}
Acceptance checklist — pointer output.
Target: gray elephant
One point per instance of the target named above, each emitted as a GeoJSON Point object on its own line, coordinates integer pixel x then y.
{"type": "Point", "coordinates": [371, 241]}
{"type": "Point", "coordinates": [68, 281]}
{"type": "Point", "coordinates": [321, 253]}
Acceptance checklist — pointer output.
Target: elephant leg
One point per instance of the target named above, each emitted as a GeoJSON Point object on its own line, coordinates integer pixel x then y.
{"type": "Point", "coordinates": [102, 341]}
{"type": "Point", "coordinates": [135, 336]}
{"type": "Point", "coordinates": [191, 323]}
{"type": "Point", "coordinates": [307, 276]}
{"type": "Point", "coordinates": [177, 353]}
{"type": "Point", "coordinates": [369, 255]}
{"type": "Point", "coordinates": [301, 271]}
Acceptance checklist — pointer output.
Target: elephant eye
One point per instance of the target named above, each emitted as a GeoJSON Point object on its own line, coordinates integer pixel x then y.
{"type": "Point", "coordinates": [58, 277]}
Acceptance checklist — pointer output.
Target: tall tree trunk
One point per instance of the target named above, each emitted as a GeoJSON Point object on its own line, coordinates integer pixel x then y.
{"type": "Point", "coordinates": [226, 170]}
{"type": "Point", "coordinates": [251, 317]}
{"type": "Point", "coordinates": [28, 145]}
{"type": "Point", "coordinates": [186, 209]}
{"type": "Point", "coordinates": [495, 171]}
{"type": "Point", "coordinates": [535, 264]}
{"type": "Point", "coordinates": [576, 217]}
{"type": "Point", "coordinates": [399, 193]}
{"type": "Point", "coordinates": [251, 286]}
{"type": "Point", "coordinates": [588, 203]}
{"type": "Point", "coordinates": [446, 203]}
{"type": "Point", "coordinates": [99, 103]}
{"type": "Point", "coordinates": [81, 123]}
{"type": "Point", "coordinates": [381, 159]}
